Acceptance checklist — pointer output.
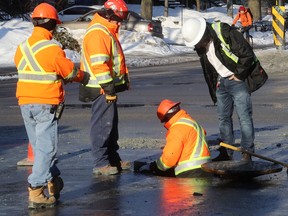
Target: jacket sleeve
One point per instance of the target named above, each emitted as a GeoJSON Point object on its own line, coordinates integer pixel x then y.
{"type": "Point", "coordinates": [210, 74]}
{"type": "Point", "coordinates": [66, 68]}
{"type": "Point", "coordinates": [241, 48]}
{"type": "Point", "coordinates": [172, 150]}
{"type": "Point", "coordinates": [211, 77]}
{"type": "Point", "coordinates": [235, 19]}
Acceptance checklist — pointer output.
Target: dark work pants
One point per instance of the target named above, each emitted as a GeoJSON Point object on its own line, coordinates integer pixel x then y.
{"type": "Point", "coordinates": [104, 133]}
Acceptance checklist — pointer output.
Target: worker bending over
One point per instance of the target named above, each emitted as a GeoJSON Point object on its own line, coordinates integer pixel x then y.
{"type": "Point", "coordinates": [186, 147]}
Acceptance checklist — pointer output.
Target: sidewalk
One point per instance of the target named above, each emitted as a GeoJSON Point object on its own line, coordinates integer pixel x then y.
{"type": "Point", "coordinates": [132, 61]}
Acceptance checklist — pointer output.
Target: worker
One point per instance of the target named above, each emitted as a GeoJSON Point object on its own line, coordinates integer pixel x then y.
{"type": "Point", "coordinates": [186, 148]}
{"type": "Point", "coordinates": [42, 68]}
{"type": "Point", "coordinates": [103, 58]}
{"type": "Point", "coordinates": [227, 59]}
{"type": "Point", "coordinates": [246, 20]}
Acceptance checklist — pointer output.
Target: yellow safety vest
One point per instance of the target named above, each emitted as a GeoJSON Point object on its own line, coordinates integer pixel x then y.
{"type": "Point", "coordinates": [36, 74]}
{"type": "Point", "coordinates": [96, 80]}
{"type": "Point", "coordinates": [196, 158]}
{"type": "Point", "coordinates": [225, 47]}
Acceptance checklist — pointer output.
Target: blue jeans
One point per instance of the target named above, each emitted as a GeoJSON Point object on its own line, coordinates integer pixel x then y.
{"type": "Point", "coordinates": [232, 93]}
{"type": "Point", "coordinates": [42, 131]}
{"type": "Point", "coordinates": [104, 133]}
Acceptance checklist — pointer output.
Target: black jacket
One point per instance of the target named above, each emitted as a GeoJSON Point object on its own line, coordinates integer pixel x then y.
{"type": "Point", "coordinates": [238, 46]}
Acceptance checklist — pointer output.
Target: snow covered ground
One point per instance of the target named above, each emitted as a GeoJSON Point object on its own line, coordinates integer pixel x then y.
{"type": "Point", "coordinates": [134, 44]}
{"type": "Point", "coordinates": [142, 49]}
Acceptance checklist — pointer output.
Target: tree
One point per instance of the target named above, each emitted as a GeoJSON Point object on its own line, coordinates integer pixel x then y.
{"type": "Point", "coordinates": [198, 5]}
{"type": "Point", "coordinates": [255, 7]}
{"type": "Point", "coordinates": [147, 9]}
{"type": "Point", "coordinates": [15, 8]}
{"type": "Point", "coordinates": [230, 8]}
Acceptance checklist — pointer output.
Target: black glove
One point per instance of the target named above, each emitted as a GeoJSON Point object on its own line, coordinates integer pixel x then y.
{"type": "Point", "coordinates": [85, 79]}
{"type": "Point", "coordinates": [138, 164]}
{"type": "Point", "coordinates": [109, 91]}
{"type": "Point", "coordinates": [145, 168]}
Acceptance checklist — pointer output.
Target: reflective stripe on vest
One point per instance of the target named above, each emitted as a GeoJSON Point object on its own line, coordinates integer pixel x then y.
{"type": "Point", "coordinates": [36, 74]}
{"type": "Point", "coordinates": [105, 77]}
{"type": "Point", "coordinates": [195, 159]}
{"type": "Point", "coordinates": [225, 47]}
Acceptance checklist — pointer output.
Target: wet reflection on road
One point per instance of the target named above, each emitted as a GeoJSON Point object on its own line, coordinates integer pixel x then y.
{"type": "Point", "coordinates": [181, 194]}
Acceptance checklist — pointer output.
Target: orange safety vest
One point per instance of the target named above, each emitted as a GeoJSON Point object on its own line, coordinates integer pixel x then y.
{"type": "Point", "coordinates": [42, 65]}
{"type": "Point", "coordinates": [245, 18]}
{"type": "Point", "coordinates": [102, 54]}
{"type": "Point", "coordinates": [186, 147]}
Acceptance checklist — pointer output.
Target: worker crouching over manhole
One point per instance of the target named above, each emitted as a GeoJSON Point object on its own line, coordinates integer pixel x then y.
{"type": "Point", "coordinates": [185, 149]}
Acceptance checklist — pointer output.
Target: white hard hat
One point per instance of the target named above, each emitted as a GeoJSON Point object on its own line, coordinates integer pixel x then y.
{"type": "Point", "coordinates": [193, 30]}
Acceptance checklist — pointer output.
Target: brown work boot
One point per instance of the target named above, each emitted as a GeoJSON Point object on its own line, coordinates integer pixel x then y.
{"type": "Point", "coordinates": [246, 157]}
{"type": "Point", "coordinates": [223, 156]}
{"type": "Point", "coordinates": [125, 165]}
{"type": "Point", "coordinates": [105, 170]}
{"type": "Point", "coordinates": [55, 186]}
{"type": "Point", "coordinates": [37, 198]}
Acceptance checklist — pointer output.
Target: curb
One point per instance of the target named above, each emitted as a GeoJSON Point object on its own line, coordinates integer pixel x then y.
{"type": "Point", "coordinates": [142, 61]}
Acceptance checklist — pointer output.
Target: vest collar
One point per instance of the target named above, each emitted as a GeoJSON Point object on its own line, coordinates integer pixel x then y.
{"type": "Point", "coordinates": [175, 118]}
{"type": "Point", "coordinates": [42, 32]}
{"type": "Point", "coordinates": [112, 27]}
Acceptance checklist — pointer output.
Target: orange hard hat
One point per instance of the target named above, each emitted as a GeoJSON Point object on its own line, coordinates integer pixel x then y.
{"type": "Point", "coordinates": [164, 107]}
{"type": "Point", "coordinates": [119, 7]}
{"type": "Point", "coordinates": [45, 10]}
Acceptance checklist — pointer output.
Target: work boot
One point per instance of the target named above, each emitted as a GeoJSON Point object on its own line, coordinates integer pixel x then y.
{"type": "Point", "coordinates": [246, 157]}
{"type": "Point", "coordinates": [55, 186]}
{"type": "Point", "coordinates": [105, 170]}
{"type": "Point", "coordinates": [37, 198]}
{"type": "Point", "coordinates": [223, 156]}
{"type": "Point", "coordinates": [125, 165]}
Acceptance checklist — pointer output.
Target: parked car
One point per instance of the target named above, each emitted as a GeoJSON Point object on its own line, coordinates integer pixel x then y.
{"type": "Point", "coordinates": [134, 22]}
{"type": "Point", "coordinates": [262, 25]}
{"type": "Point", "coordinates": [75, 11]}
{"type": "Point", "coordinates": [266, 25]}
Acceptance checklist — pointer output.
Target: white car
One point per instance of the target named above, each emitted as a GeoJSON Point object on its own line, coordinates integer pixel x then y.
{"type": "Point", "coordinates": [134, 22]}
{"type": "Point", "coordinates": [75, 11]}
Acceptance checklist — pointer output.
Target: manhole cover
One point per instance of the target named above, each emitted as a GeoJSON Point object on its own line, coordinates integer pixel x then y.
{"type": "Point", "coordinates": [236, 169]}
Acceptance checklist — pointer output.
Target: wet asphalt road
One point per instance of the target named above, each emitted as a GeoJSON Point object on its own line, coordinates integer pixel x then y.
{"type": "Point", "coordinates": [141, 138]}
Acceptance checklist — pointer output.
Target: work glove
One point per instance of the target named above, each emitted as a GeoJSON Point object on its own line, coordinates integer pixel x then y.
{"type": "Point", "coordinates": [111, 98]}
{"type": "Point", "coordinates": [85, 79]}
{"type": "Point", "coordinates": [145, 168]}
{"type": "Point", "coordinates": [109, 91]}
